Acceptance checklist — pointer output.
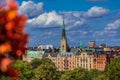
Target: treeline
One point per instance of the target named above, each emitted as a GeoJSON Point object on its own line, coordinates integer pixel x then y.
{"type": "Point", "coordinates": [45, 69]}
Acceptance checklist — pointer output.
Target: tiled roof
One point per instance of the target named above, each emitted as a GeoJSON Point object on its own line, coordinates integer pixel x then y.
{"type": "Point", "coordinates": [67, 54]}
{"type": "Point", "coordinates": [51, 54]}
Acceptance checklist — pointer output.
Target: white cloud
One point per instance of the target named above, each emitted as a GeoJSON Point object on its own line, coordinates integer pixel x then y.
{"type": "Point", "coordinates": [96, 12]}
{"type": "Point", "coordinates": [31, 9]}
{"type": "Point", "coordinates": [54, 19]}
{"type": "Point", "coordinates": [77, 23]}
{"type": "Point", "coordinates": [112, 29]}
{"type": "Point", "coordinates": [50, 19]}
{"type": "Point", "coordinates": [73, 19]}
{"type": "Point", "coordinates": [114, 25]}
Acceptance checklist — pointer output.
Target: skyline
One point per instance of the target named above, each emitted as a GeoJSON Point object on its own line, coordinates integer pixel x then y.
{"type": "Point", "coordinates": [86, 20]}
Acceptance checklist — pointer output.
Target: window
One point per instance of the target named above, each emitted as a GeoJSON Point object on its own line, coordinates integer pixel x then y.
{"type": "Point", "coordinates": [83, 65]}
{"type": "Point", "coordinates": [77, 65]}
{"type": "Point", "coordinates": [94, 60]}
{"type": "Point", "coordinates": [90, 66]}
{"type": "Point", "coordinates": [86, 65]}
{"type": "Point", "coordinates": [86, 60]}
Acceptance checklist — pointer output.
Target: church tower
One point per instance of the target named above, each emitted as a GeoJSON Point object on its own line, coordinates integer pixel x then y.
{"type": "Point", "coordinates": [63, 46]}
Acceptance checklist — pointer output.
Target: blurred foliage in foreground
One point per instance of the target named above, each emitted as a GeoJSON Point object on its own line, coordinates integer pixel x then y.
{"type": "Point", "coordinates": [12, 38]}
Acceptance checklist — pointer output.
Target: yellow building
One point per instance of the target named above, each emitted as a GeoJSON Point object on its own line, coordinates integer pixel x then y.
{"type": "Point", "coordinates": [84, 60]}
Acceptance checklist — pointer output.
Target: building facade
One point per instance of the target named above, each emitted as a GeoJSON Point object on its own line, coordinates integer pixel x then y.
{"type": "Point", "coordinates": [65, 61]}
{"type": "Point", "coordinates": [99, 61]}
{"type": "Point", "coordinates": [84, 60]}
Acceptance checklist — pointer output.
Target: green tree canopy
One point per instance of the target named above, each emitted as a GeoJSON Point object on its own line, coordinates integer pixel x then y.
{"type": "Point", "coordinates": [95, 74]}
{"type": "Point", "coordinates": [46, 70]}
{"type": "Point", "coordinates": [35, 63]}
{"type": "Point", "coordinates": [113, 69]}
{"type": "Point", "coordinates": [76, 74]}
{"type": "Point", "coordinates": [24, 68]}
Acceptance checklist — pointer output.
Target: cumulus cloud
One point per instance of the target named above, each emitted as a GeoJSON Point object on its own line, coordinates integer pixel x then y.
{"type": "Point", "coordinates": [113, 26]}
{"type": "Point", "coordinates": [96, 12]}
{"type": "Point", "coordinates": [31, 9]}
{"type": "Point", "coordinates": [111, 30]}
{"type": "Point", "coordinates": [50, 19]}
{"type": "Point", "coordinates": [73, 19]}
{"type": "Point", "coordinates": [77, 23]}
{"type": "Point", "coordinates": [54, 19]}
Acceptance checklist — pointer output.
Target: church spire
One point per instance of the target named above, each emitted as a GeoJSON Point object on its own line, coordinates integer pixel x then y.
{"type": "Point", "coordinates": [63, 30]}
{"type": "Point", "coordinates": [63, 24]}
{"type": "Point", "coordinates": [63, 47]}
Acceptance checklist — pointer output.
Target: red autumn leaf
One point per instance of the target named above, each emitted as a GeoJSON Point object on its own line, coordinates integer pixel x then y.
{"type": "Point", "coordinates": [4, 64]}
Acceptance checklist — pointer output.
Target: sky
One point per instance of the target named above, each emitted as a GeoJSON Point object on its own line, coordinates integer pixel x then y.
{"type": "Point", "coordinates": [85, 20]}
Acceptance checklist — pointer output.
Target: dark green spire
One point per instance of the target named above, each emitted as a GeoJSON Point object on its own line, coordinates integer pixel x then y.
{"type": "Point", "coordinates": [63, 38]}
{"type": "Point", "coordinates": [81, 45]}
{"type": "Point", "coordinates": [63, 24]}
{"type": "Point", "coordinates": [63, 30]}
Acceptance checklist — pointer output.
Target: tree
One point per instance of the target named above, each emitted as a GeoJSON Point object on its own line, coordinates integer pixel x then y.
{"type": "Point", "coordinates": [76, 74]}
{"type": "Point", "coordinates": [24, 68]}
{"type": "Point", "coordinates": [46, 70]}
{"type": "Point", "coordinates": [113, 69]}
{"type": "Point", "coordinates": [100, 77]}
{"type": "Point", "coordinates": [95, 74]}
{"type": "Point", "coordinates": [36, 62]}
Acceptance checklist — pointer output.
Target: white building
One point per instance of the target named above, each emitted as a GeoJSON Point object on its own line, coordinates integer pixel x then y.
{"type": "Point", "coordinates": [45, 46]}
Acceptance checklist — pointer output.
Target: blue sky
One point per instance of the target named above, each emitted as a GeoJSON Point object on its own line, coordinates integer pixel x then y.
{"type": "Point", "coordinates": [75, 5]}
{"type": "Point", "coordinates": [85, 20]}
